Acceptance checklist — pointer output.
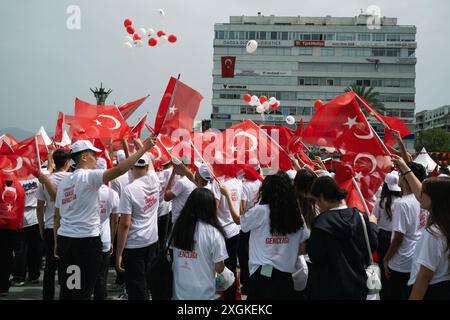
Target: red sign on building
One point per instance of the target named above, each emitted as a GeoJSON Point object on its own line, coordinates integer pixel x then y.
{"type": "Point", "coordinates": [309, 43]}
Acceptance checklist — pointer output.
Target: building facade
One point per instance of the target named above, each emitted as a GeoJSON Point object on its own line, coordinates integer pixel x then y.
{"type": "Point", "coordinates": [301, 59]}
{"type": "Point", "coordinates": [437, 118]}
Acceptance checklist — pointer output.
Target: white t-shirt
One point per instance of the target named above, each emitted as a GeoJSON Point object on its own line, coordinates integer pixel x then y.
{"type": "Point", "coordinates": [30, 216]}
{"type": "Point", "coordinates": [194, 271]}
{"type": "Point", "coordinates": [141, 199]}
{"type": "Point", "coordinates": [181, 189]}
{"type": "Point", "coordinates": [265, 248]}
{"type": "Point", "coordinates": [108, 203]}
{"type": "Point", "coordinates": [77, 201]}
{"type": "Point", "coordinates": [406, 220]}
{"type": "Point", "coordinates": [121, 182]}
{"type": "Point", "coordinates": [379, 211]}
{"type": "Point", "coordinates": [164, 206]}
{"type": "Point", "coordinates": [42, 195]}
{"type": "Point", "coordinates": [223, 211]}
{"type": "Point", "coordinates": [213, 186]}
{"type": "Point", "coordinates": [431, 252]}
{"type": "Point", "coordinates": [250, 193]}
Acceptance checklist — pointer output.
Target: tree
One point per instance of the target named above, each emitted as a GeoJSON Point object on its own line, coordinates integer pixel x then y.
{"type": "Point", "coordinates": [369, 95]}
{"type": "Point", "coordinates": [433, 140]}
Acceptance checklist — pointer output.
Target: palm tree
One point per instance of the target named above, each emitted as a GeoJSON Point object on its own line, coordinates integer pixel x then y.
{"type": "Point", "coordinates": [370, 96]}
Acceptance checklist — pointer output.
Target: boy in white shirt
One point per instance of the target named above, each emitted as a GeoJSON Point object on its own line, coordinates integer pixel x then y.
{"type": "Point", "coordinates": [137, 236]}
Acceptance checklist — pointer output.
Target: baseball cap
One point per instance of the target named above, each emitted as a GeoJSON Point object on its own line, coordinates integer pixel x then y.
{"type": "Point", "coordinates": [204, 171]}
{"type": "Point", "coordinates": [120, 155]}
{"type": "Point", "coordinates": [142, 162]}
{"type": "Point", "coordinates": [391, 180]}
{"type": "Point", "coordinates": [83, 145]}
{"type": "Point", "coordinates": [101, 164]}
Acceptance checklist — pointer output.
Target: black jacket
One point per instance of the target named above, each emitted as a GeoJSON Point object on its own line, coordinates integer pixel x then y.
{"type": "Point", "coordinates": [338, 252]}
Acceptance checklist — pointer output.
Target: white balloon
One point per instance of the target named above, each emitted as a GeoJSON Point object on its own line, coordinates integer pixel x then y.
{"type": "Point", "coordinates": [252, 45]}
{"type": "Point", "coordinates": [151, 33]}
{"type": "Point", "coordinates": [266, 105]}
{"type": "Point", "coordinates": [142, 32]}
{"type": "Point", "coordinates": [260, 109]}
{"type": "Point", "coordinates": [290, 120]}
{"type": "Point", "coordinates": [161, 12]}
{"type": "Point", "coordinates": [138, 43]}
{"type": "Point", "coordinates": [254, 100]}
{"type": "Point", "coordinates": [163, 39]}
{"type": "Point", "coordinates": [272, 100]}
{"type": "Point", "coordinates": [128, 45]}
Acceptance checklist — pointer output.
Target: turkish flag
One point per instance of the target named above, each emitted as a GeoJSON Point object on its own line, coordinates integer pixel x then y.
{"type": "Point", "coordinates": [12, 205]}
{"type": "Point", "coordinates": [9, 139]}
{"type": "Point", "coordinates": [284, 136]}
{"type": "Point", "coordinates": [92, 121]}
{"type": "Point", "coordinates": [178, 108]}
{"type": "Point", "coordinates": [160, 153]}
{"type": "Point", "coordinates": [59, 128]}
{"type": "Point", "coordinates": [23, 163]}
{"type": "Point", "coordinates": [228, 63]}
{"type": "Point", "coordinates": [104, 153]}
{"type": "Point", "coordinates": [127, 109]}
{"type": "Point", "coordinates": [138, 127]}
{"type": "Point", "coordinates": [41, 146]}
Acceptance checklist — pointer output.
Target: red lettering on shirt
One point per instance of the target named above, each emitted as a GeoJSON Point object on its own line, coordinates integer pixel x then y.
{"type": "Point", "coordinates": [277, 239]}
{"type": "Point", "coordinates": [69, 195]}
{"type": "Point", "coordinates": [423, 217]}
{"type": "Point", "coordinates": [150, 201]}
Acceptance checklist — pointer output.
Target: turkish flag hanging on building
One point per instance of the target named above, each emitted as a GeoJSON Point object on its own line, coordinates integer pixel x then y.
{"type": "Point", "coordinates": [228, 63]}
{"type": "Point", "coordinates": [12, 205]}
{"type": "Point", "coordinates": [178, 108]}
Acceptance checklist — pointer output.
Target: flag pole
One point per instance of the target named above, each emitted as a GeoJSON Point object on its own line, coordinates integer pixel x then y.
{"type": "Point", "coordinates": [371, 111]}
{"type": "Point", "coordinates": [273, 141]}
{"type": "Point", "coordinates": [361, 196]}
{"type": "Point", "coordinates": [171, 99]}
{"type": "Point", "coordinates": [198, 153]}
{"type": "Point", "coordinates": [37, 153]}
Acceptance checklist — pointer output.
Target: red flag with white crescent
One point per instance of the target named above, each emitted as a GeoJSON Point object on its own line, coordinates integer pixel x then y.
{"type": "Point", "coordinates": [12, 205]}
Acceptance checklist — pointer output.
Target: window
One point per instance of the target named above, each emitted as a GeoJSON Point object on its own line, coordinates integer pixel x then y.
{"type": "Point", "coordinates": [305, 52]}
{"type": "Point", "coordinates": [215, 109]}
{"type": "Point", "coordinates": [220, 35]}
{"type": "Point", "coordinates": [262, 35]}
{"type": "Point", "coordinates": [329, 82]}
{"type": "Point", "coordinates": [378, 52]}
{"type": "Point", "coordinates": [408, 37]}
{"type": "Point", "coordinates": [328, 36]}
{"type": "Point", "coordinates": [231, 35]}
{"type": "Point", "coordinates": [327, 52]}
{"type": "Point", "coordinates": [242, 35]}
{"type": "Point", "coordinates": [251, 35]}
{"type": "Point", "coordinates": [243, 110]}
{"type": "Point", "coordinates": [393, 37]}
{"type": "Point", "coordinates": [273, 36]}
{"type": "Point", "coordinates": [411, 53]}
{"type": "Point", "coordinates": [292, 111]}
{"type": "Point", "coordinates": [393, 52]}
{"type": "Point", "coordinates": [363, 36]}
{"type": "Point", "coordinates": [345, 36]}
{"type": "Point", "coordinates": [316, 36]}
{"type": "Point", "coordinates": [407, 99]}
{"type": "Point", "coordinates": [284, 36]}
{"type": "Point", "coordinates": [378, 36]}
{"type": "Point", "coordinates": [306, 36]}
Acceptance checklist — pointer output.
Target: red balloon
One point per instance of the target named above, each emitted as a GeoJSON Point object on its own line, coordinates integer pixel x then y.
{"type": "Point", "coordinates": [136, 37]}
{"type": "Point", "coordinates": [247, 97]}
{"type": "Point", "coordinates": [152, 42]}
{"type": "Point", "coordinates": [127, 23]}
{"type": "Point", "coordinates": [130, 30]}
{"type": "Point", "coordinates": [318, 104]}
{"type": "Point", "coordinates": [262, 99]}
{"type": "Point", "coordinates": [275, 105]}
{"type": "Point", "coordinates": [160, 33]}
{"type": "Point", "coordinates": [172, 38]}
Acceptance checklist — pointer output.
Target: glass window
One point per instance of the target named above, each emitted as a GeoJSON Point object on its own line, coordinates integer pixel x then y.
{"type": "Point", "coordinates": [306, 51]}
{"type": "Point", "coordinates": [274, 36]}
{"type": "Point", "coordinates": [330, 82]}
{"type": "Point", "coordinates": [220, 34]}
{"type": "Point", "coordinates": [393, 52]}
{"type": "Point", "coordinates": [363, 36]}
{"type": "Point", "coordinates": [251, 35]}
{"type": "Point", "coordinates": [408, 37]}
{"type": "Point", "coordinates": [215, 109]}
{"type": "Point", "coordinates": [301, 82]}
{"type": "Point", "coordinates": [316, 36]}
{"type": "Point", "coordinates": [346, 36]}
{"type": "Point", "coordinates": [262, 35]}
{"type": "Point", "coordinates": [242, 35]}
{"type": "Point", "coordinates": [327, 52]}
{"type": "Point", "coordinates": [328, 36]}
{"type": "Point", "coordinates": [393, 37]}
{"type": "Point", "coordinates": [243, 110]}
{"type": "Point", "coordinates": [306, 36]}
{"type": "Point", "coordinates": [378, 36]}
{"type": "Point", "coordinates": [411, 53]}
{"type": "Point", "coordinates": [284, 36]}
{"type": "Point", "coordinates": [378, 52]}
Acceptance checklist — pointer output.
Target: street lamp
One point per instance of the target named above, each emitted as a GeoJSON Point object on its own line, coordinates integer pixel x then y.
{"type": "Point", "coordinates": [101, 94]}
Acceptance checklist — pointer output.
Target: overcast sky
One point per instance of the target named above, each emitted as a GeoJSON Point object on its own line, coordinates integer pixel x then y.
{"type": "Point", "coordinates": [44, 66]}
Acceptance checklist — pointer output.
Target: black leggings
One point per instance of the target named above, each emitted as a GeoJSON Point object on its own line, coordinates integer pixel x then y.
{"type": "Point", "coordinates": [279, 286]}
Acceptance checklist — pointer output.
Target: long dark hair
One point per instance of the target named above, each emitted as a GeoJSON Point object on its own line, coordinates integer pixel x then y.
{"type": "Point", "coordinates": [388, 195]}
{"type": "Point", "coordinates": [278, 192]}
{"type": "Point", "coordinates": [438, 189]}
{"type": "Point", "coordinates": [302, 183]}
{"type": "Point", "coordinates": [200, 205]}
{"type": "Point", "coordinates": [329, 188]}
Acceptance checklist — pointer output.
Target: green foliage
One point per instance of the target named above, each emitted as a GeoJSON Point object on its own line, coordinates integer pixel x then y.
{"type": "Point", "coordinates": [368, 94]}
{"type": "Point", "coordinates": [433, 140]}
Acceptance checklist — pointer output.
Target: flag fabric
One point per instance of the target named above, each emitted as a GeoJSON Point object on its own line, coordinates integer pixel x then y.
{"type": "Point", "coordinates": [178, 108]}
{"type": "Point", "coordinates": [44, 136]}
{"type": "Point", "coordinates": [228, 63]}
{"type": "Point", "coordinates": [92, 121]}
{"type": "Point", "coordinates": [9, 139]}
{"type": "Point", "coordinates": [136, 130]}
{"type": "Point", "coordinates": [12, 205]}
{"type": "Point", "coordinates": [23, 164]}
{"type": "Point", "coordinates": [104, 153]}
{"type": "Point", "coordinates": [41, 146]}
{"type": "Point", "coordinates": [58, 136]}
{"type": "Point", "coordinates": [127, 109]}
{"type": "Point", "coordinates": [284, 135]}
{"type": "Point", "coordinates": [159, 152]}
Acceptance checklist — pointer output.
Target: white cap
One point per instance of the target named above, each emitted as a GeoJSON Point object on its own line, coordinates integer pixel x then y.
{"type": "Point", "coordinates": [83, 145]}
{"type": "Point", "coordinates": [120, 155]}
{"type": "Point", "coordinates": [391, 180]}
{"type": "Point", "coordinates": [204, 171]}
{"type": "Point", "coordinates": [101, 164]}
{"type": "Point", "coordinates": [142, 162]}
{"type": "Point", "coordinates": [291, 174]}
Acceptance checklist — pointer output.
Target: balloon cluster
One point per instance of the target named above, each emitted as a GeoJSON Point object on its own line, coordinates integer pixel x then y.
{"type": "Point", "coordinates": [262, 104]}
{"type": "Point", "coordinates": [135, 39]}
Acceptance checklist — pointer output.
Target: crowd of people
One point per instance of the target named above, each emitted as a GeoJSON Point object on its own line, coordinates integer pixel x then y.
{"type": "Point", "coordinates": [84, 215]}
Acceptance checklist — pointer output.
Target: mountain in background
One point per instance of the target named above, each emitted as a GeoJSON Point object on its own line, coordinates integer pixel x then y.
{"type": "Point", "coordinates": [18, 133]}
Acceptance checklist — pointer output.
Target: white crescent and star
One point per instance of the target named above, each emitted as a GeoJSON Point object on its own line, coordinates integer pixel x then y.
{"type": "Point", "coordinates": [116, 122]}
{"type": "Point", "coordinates": [13, 190]}
{"type": "Point", "coordinates": [252, 139]}
{"type": "Point", "coordinates": [368, 156]}
{"type": "Point", "coordinates": [19, 164]}
{"type": "Point", "coordinates": [228, 63]}
{"type": "Point", "coordinates": [172, 109]}
{"type": "Point", "coordinates": [351, 122]}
